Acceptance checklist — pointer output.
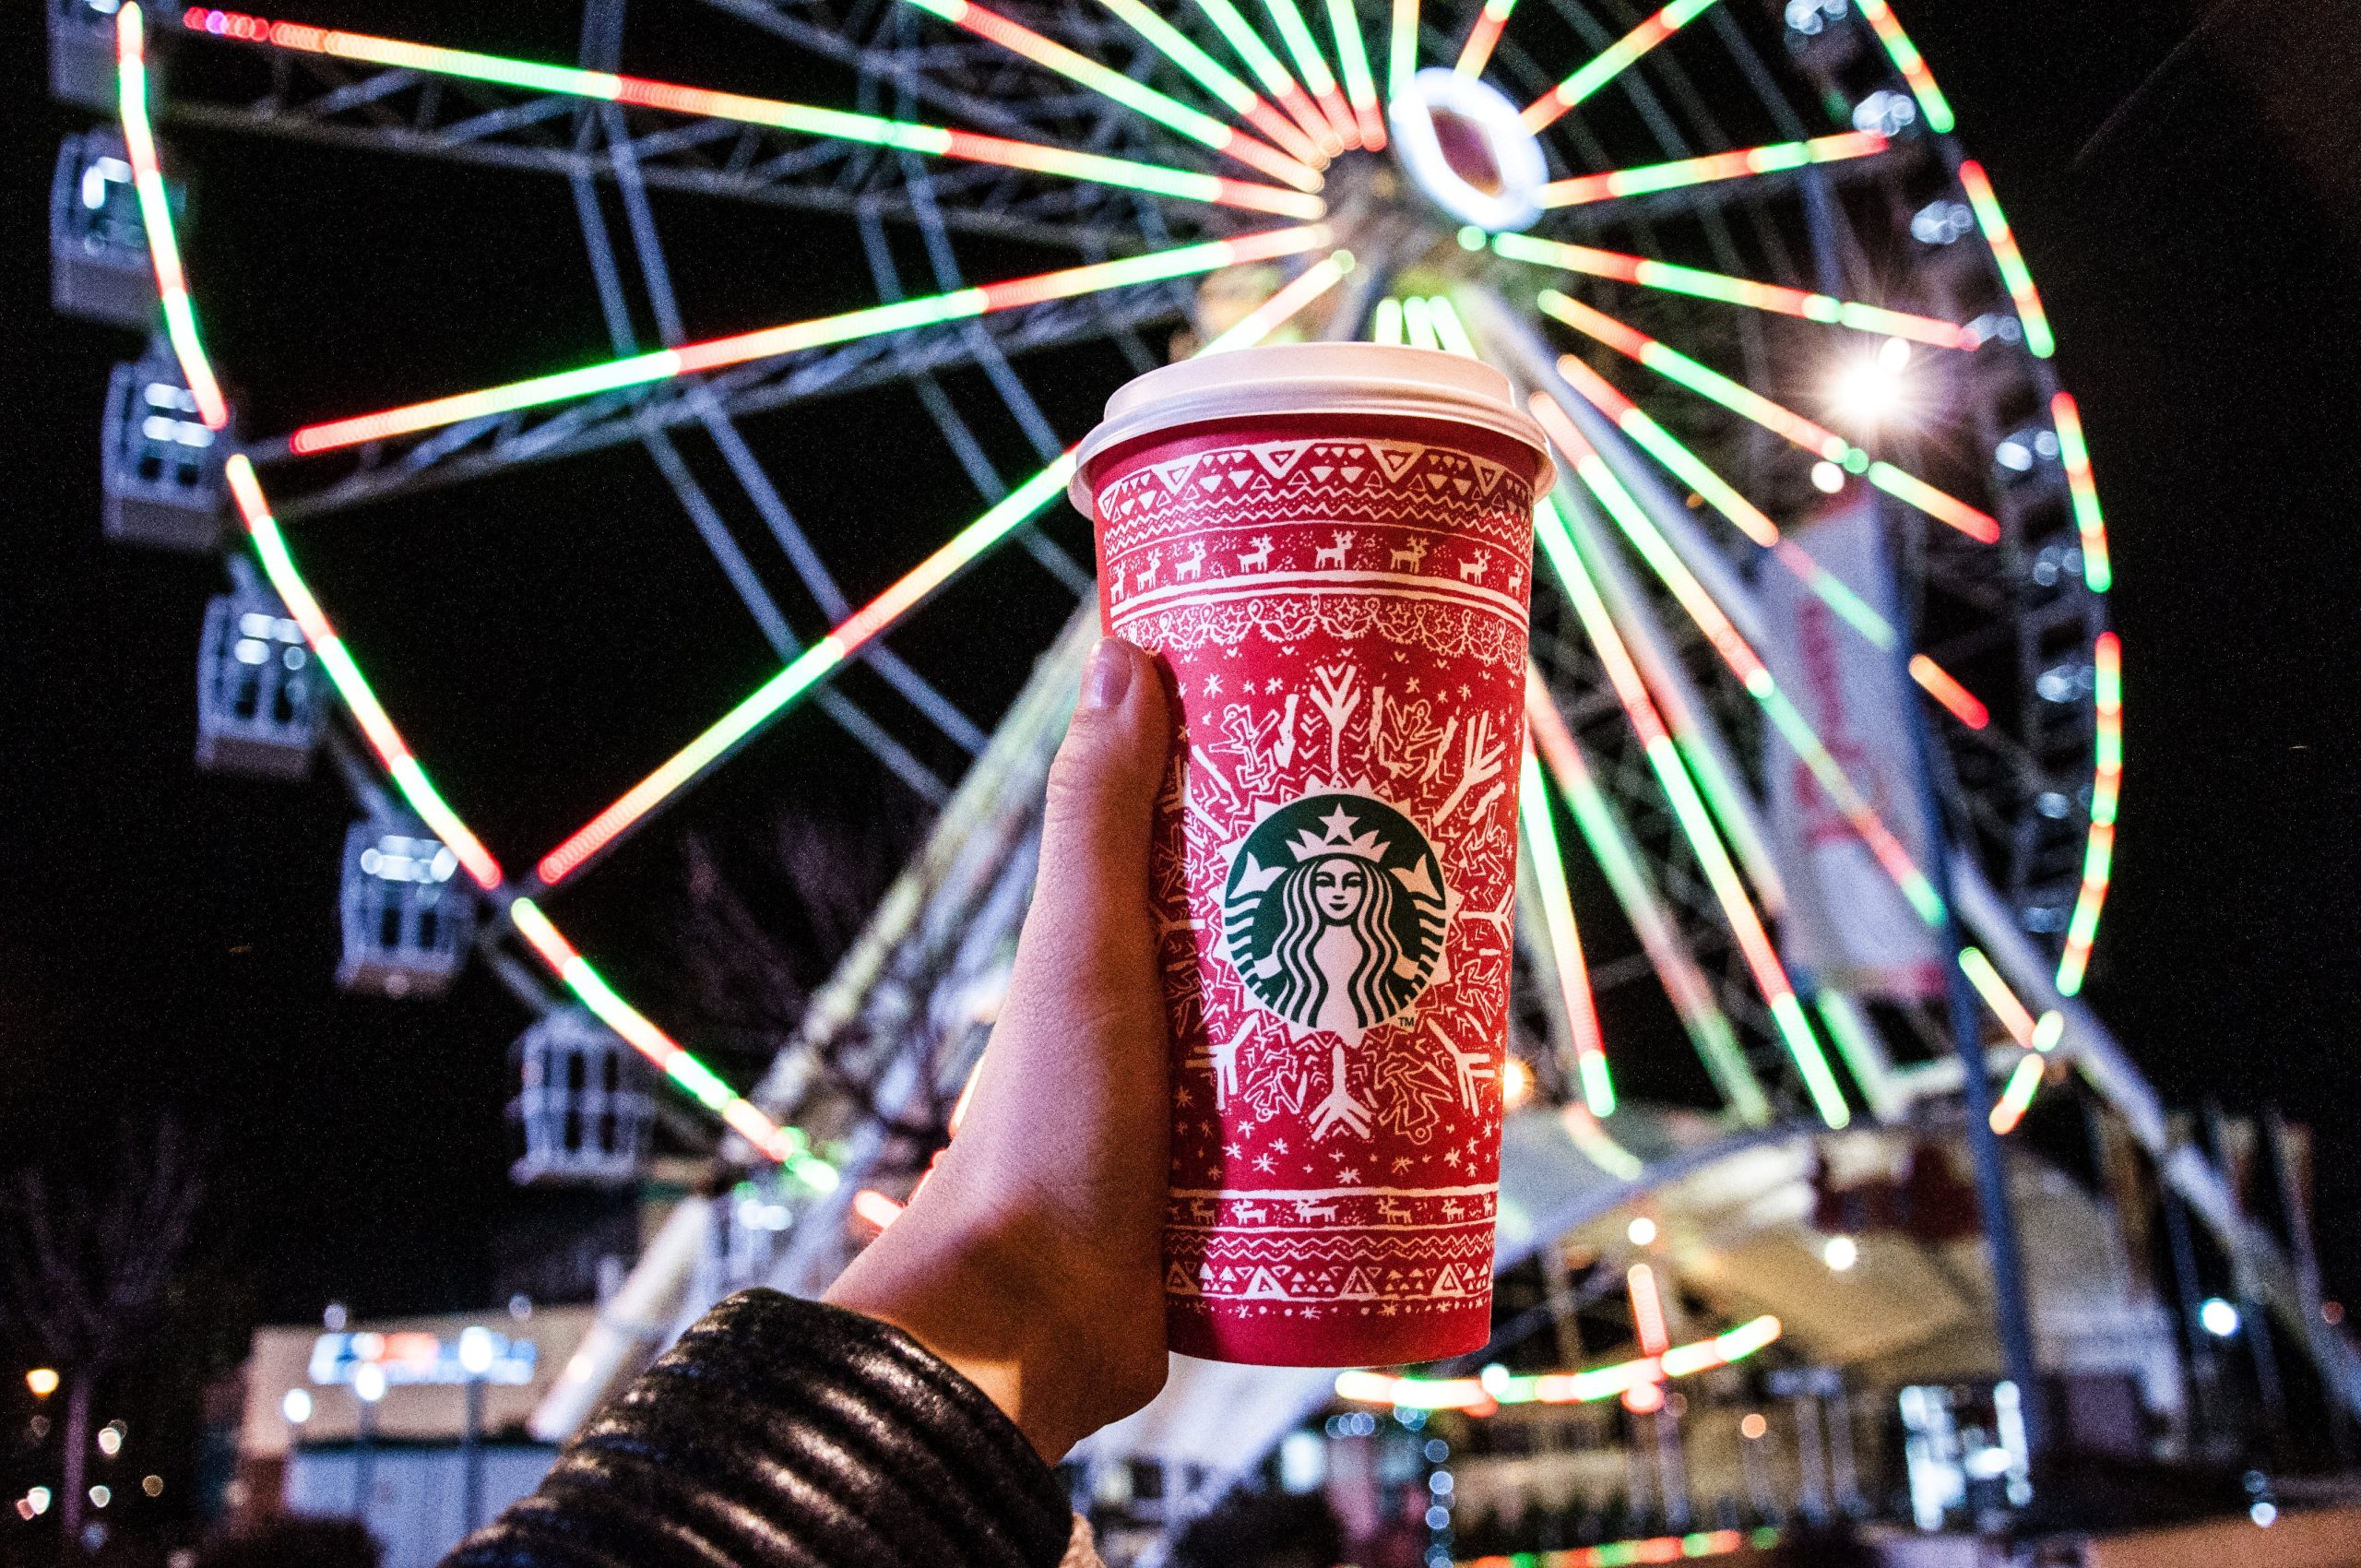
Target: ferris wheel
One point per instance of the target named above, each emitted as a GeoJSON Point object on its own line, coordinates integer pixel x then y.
{"type": "Point", "coordinates": [1765, 305]}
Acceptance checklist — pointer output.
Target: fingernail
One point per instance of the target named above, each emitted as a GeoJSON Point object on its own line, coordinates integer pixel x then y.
{"type": "Point", "coordinates": [1110, 675]}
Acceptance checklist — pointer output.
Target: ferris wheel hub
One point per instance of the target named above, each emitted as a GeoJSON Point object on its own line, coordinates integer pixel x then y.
{"type": "Point", "coordinates": [1467, 148]}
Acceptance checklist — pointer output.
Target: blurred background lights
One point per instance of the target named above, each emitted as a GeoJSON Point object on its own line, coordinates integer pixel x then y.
{"type": "Point", "coordinates": [297, 1405]}
{"type": "Point", "coordinates": [369, 1382]}
{"type": "Point", "coordinates": [1752, 1426]}
{"type": "Point", "coordinates": [36, 1503]}
{"type": "Point", "coordinates": [1840, 1252]}
{"type": "Point", "coordinates": [152, 1485]}
{"type": "Point", "coordinates": [102, 1495]}
{"type": "Point", "coordinates": [1827, 478]}
{"type": "Point", "coordinates": [111, 1439]}
{"type": "Point", "coordinates": [477, 1351]}
{"type": "Point", "coordinates": [1641, 1230]}
{"type": "Point", "coordinates": [2220, 1319]}
{"type": "Point", "coordinates": [43, 1381]}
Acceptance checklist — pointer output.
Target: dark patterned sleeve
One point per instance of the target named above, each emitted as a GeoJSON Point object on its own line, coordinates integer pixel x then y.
{"type": "Point", "coordinates": [781, 1434]}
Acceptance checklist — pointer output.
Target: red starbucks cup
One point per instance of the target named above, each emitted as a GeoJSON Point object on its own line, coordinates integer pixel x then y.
{"type": "Point", "coordinates": [1329, 547]}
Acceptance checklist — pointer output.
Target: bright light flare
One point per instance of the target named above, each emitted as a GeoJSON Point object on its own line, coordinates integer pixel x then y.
{"type": "Point", "coordinates": [1678, 367]}
{"type": "Point", "coordinates": [1312, 66]}
{"type": "Point", "coordinates": [875, 1209]}
{"type": "Point", "coordinates": [1872, 390]}
{"type": "Point", "coordinates": [1840, 1254]}
{"type": "Point", "coordinates": [43, 1381]}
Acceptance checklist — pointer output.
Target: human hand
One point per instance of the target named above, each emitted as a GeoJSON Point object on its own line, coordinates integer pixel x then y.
{"type": "Point", "coordinates": [1031, 1258]}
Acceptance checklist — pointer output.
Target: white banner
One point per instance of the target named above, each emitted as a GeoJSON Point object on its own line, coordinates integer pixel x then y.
{"type": "Point", "coordinates": [1847, 924]}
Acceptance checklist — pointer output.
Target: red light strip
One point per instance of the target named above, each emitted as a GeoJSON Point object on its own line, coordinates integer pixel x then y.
{"type": "Point", "coordinates": [1611, 62]}
{"type": "Point", "coordinates": [1939, 683]}
{"type": "Point", "coordinates": [1766, 160]}
{"type": "Point", "coordinates": [2106, 793]}
{"type": "Point", "coordinates": [770, 343]}
{"type": "Point", "coordinates": [1641, 272]}
{"type": "Point", "coordinates": [1477, 52]}
{"type": "Point", "coordinates": [1022, 40]}
{"type": "Point", "coordinates": [156, 218]}
{"type": "Point", "coordinates": [2098, 572]}
{"type": "Point", "coordinates": [776, 695]}
{"type": "Point", "coordinates": [638, 91]}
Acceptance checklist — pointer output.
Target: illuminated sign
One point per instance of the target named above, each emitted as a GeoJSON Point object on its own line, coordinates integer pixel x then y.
{"type": "Point", "coordinates": [477, 1354]}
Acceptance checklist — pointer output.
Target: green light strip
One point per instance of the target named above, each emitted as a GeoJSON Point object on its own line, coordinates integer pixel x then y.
{"type": "Point", "coordinates": [1360, 87]}
{"type": "Point", "coordinates": [1612, 847]}
{"type": "Point", "coordinates": [1402, 50]}
{"type": "Point", "coordinates": [1565, 938]}
{"type": "Point", "coordinates": [1696, 824]}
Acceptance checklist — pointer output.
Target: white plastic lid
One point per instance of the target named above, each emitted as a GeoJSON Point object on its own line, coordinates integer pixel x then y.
{"type": "Point", "coordinates": [1312, 378]}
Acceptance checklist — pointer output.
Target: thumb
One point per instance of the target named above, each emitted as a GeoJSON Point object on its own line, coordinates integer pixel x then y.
{"type": "Point", "coordinates": [1102, 791]}
{"type": "Point", "coordinates": [1084, 1022]}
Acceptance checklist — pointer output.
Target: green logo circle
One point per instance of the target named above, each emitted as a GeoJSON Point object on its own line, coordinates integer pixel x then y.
{"type": "Point", "coordinates": [1334, 913]}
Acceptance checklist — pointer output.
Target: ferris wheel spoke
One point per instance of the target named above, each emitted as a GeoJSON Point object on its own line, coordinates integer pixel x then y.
{"type": "Point", "coordinates": [865, 626]}
{"type": "Point", "coordinates": [1268, 69]}
{"type": "Point", "coordinates": [1476, 53]}
{"type": "Point", "coordinates": [1770, 159]}
{"type": "Point", "coordinates": [1563, 938]}
{"type": "Point", "coordinates": [664, 364]}
{"type": "Point", "coordinates": [1312, 66]}
{"type": "Point", "coordinates": [1797, 730]}
{"type": "Point", "coordinates": [1678, 367]}
{"type": "Point", "coordinates": [1168, 112]}
{"type": "Point", "coordinates": [830, 125]}
{"type": "Point", "coordinates": [1401, 48]}
{"type": "Point", "coordinates": [1360, 87]}
{"type": "Point", "coordinates": [1617, 855]}
{"type": "Point", "coordinates": [1804, 305]}
{"type": "Point", "coordinates": [1611, 62]}
{"type": "Point", "coordinates": [1696, 824]}
{"type": "Point", "coordinates": [1723, 497]}
{"type": "Point", "coordinates": [1217, 79]}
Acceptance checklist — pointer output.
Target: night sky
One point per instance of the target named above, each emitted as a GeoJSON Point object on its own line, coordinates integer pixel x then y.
{"type": "Point", "coordinates": [168, 938]}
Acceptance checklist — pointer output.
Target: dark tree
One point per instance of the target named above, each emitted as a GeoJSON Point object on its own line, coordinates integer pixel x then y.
{"type": "Point", "coordinates": [89, 1261]}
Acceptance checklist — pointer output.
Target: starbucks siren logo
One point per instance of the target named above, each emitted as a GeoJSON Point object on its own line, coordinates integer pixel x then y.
{"type": "Point", "coordinates": [1334, 913]}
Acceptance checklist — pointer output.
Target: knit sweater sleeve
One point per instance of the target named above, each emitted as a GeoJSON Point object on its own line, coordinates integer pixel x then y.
{"type": "Point", "coordinates": [781, 1434]}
